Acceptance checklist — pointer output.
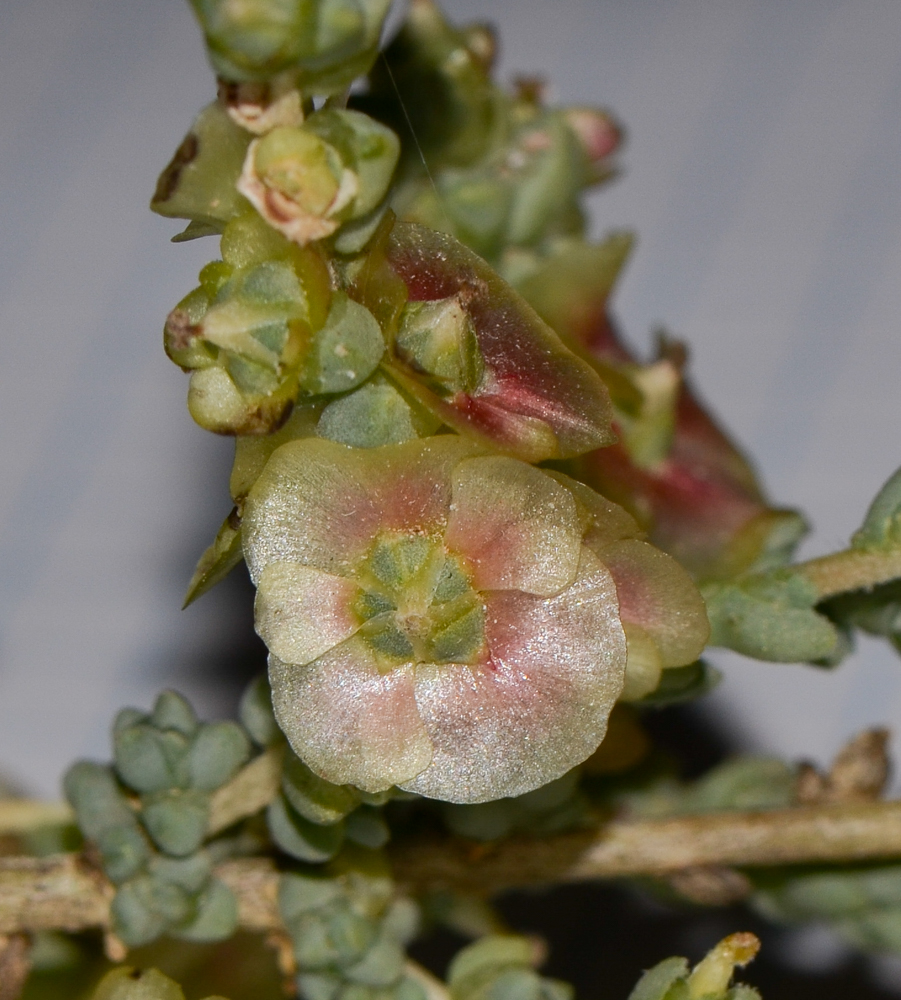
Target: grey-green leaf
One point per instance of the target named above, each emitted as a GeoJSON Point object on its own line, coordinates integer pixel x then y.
{"type": "Point", "coordinates": [300, 838]}
{"type": "Point", "coordinates": [218, 751]}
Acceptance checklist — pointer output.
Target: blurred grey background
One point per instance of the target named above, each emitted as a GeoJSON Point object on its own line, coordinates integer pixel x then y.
{"type": "Point", "coordinates": [761, 173]}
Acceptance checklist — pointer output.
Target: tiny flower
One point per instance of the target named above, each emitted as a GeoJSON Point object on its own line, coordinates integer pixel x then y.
{"type": "Point", "coordinates": [306, 180]}
{"type": "Point", "coordinates": [493, 369]}
{"type": "Point", "coordinates": [443, 619]}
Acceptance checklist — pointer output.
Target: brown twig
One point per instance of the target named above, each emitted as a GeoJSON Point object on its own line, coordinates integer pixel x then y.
{"type": "Point", "coordinates": [63, 892]}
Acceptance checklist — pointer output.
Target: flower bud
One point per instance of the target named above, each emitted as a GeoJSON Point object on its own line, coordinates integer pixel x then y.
{"type": "Point", "coordinates": [534, 399]}
{"type": "Point", "coordinates": [323, 44]}
{"type": "Point", "coordinates": [599, 136]}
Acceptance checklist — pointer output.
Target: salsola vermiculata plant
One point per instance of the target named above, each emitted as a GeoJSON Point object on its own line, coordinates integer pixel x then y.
{"type": "Point", "coordinates": [485, 538]}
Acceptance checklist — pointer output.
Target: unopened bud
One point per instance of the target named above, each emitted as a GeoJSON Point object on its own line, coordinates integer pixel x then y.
{"type": "Point", "coordinates": [599, 135]}
{"type": "Point", "coordinates": [325, 44]}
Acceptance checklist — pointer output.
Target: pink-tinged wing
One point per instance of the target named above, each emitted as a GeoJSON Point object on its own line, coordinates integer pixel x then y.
{"type": "Point", "coordinates": [347, 721]}
{"type": "Point", "coordinates": [603, 520]}
{"type": "Point", "coordinates": [314, 504]}
{"type": "Point", "coordinates": [517, 528]}
{"type": "Point", "coordinates": [539, 706]}
{"type": "Point", "coordinates": [301, 612]}
{"type": "Point", "coordinates": [413, 481]}
{"type": "Point", "coordinates": [658, 595]}
{"type": "Point", "coordinates": [538, 400]}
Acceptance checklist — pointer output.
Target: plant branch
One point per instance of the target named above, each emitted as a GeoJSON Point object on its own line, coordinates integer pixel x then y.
{"type": "Point", "coordinates": [851, 569]}
{"type": "Point", "coordinates": [63, 892]}
{"type": "Point", "coordinates": [251, 790]}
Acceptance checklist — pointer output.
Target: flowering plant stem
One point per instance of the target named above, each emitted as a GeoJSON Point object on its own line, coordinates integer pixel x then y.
{"type": "Point", "coordinates": [851, 569]}
{"type": "Point", "coordinates": [64, 892]}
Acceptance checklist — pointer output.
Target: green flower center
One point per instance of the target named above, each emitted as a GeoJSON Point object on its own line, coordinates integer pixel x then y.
{"type": "Point", "coordinates": [418, 604]}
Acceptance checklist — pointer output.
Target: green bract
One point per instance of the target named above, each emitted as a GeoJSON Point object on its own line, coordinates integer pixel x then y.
{"type": "Point", "coordinates": [444, 620]}
{"type": "Point", "coordinates": [199, 182]}
{"type": "Point", "coordinates": [322, 44]}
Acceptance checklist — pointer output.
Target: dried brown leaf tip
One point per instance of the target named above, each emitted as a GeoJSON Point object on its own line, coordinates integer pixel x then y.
{"type": "Point", "coordinates": [859, 773]}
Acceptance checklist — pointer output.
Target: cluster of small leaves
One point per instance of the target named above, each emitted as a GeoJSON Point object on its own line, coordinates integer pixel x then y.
{"type": "Point", "coordinates": [781, 615]}
{"type": "Point", "coordinates": [147, 817]}
{"type": "Point", "coordinates": [349, 932]}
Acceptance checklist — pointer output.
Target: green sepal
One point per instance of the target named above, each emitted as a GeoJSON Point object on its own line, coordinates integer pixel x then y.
{"type": "Point", "coordinates": [199, 182]}
{"type": "Point", "coordinates": [314, 798]}
{"type": "Point", "coordinates": [299, 837]}
{"type": "Point", "coordinates": [195, 231]}
{"type": "Point", "coordinates": [882, 525]}
{"type": "Point", "coordinates": [769, 618]}
{"type": "Point", "coordinates": [355, 234]}
{"type": "Point", "coordinates": [319, 985]}
{"type": "Point", "coordinates": [746, 783]}
{"type": "Point", "coordinates": [217, 752]}
{"type": "Point", "coordinates": [682, 684]}
{"type": "Point", "coordinates": [487, 955]}
{"type": "Point", "coordinates": [546, 191]}
{"type": "Point", "coordinates": [438, 339]}
{"type": "Point", "coordinates": [345, 351]}
{"type": "Point", "coordinates": [876, 612]}
{"type": "Point", "coordinates": [252, 453]}
{"type": "Point", "coordinates": [126, 717]}
{"type": "Point", "coordinates": [176, 819]}
{"type": "Point", "coordinates": [218, 560]}
{"type": "Point", "coordinates": [190, 873]}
